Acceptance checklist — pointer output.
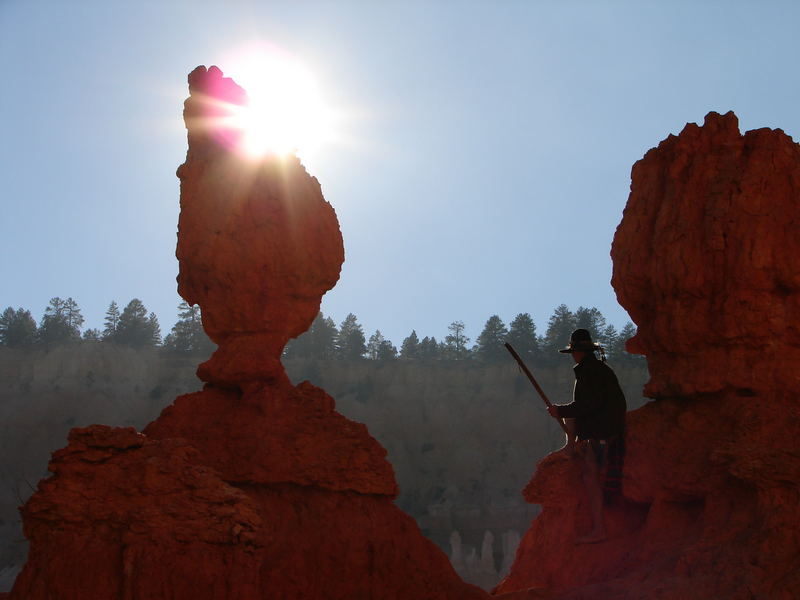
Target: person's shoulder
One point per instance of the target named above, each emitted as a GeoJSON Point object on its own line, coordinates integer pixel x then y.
{"type": "Point", "coordinates": [603, 367]}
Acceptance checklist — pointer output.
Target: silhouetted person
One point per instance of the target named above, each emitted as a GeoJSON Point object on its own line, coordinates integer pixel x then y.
{"type": "Point", "coordinates": [595, 422]}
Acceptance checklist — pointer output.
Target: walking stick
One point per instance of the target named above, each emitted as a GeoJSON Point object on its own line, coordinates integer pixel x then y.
{"type": "Point", "coordinates": [529, 375]}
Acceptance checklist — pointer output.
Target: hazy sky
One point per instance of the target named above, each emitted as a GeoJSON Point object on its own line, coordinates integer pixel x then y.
{"type": "Point", "coordinates": [489, 143]}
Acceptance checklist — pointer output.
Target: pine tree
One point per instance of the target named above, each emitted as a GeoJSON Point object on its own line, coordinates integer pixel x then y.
{"type": "Point", "coordinates": [387, 350]}
{"type": "Point", "coordinates": [410, 346]}
{"type": "Point", "coordinates": [319, 342]}
{"type": "Point", "coordinates": [61, 322]}
{"type": "Point", "coordinates": [155, 330]}
{"type": "Point", "coordinates": [323, 337]}
{"type": "Point", "coordinates": [592, 320]}
{"type": "Point", "coordinates": [559, 329]}
{"type": "Point", "coordinates": [187, 335]}
{"type": "Point", "coordinates": [617, 350]}
{"type": "Point", "coordinates": [111, 322]}
{"type": "Point", "coordinates": [429, 349]}
{"type": "Point", "coordinates": [489, 345]}
{"type": "Point", "coordinates": [374, 344]}
{"type": "Point", "coordinates": [350, 342]}
{"type": "Point", "coordinates": [608, 338]}
{"type": "Point", "coordinates": [456, 342]}
{"type": "Point", "coordinates": [17, 328]}
{"type": "Point", "coordinates": [72, 315]}
{"type": "Point", "coordinates": [92, 335]}
{"type": "Point", "coordinates": [522, 335]}
{"type": "Point", "coordinates": [135, 328]}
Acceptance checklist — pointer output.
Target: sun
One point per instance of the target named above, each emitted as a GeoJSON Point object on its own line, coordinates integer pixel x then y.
{"type": "Point", "coordinates": [286, 113]}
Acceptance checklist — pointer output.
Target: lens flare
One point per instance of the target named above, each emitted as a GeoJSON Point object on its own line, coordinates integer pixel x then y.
{"type": "Point", "coordinates": [286, 112]}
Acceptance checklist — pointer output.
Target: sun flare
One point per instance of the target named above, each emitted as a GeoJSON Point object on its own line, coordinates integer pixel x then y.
{"type": "Point", "coordinates": [286, 112]}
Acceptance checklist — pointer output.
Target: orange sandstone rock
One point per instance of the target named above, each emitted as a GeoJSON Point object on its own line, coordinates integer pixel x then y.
{"type": "Point", "coordinates": [705, 262]}
{"type": "Point", "coordinates": [251, 488]}
{"type": "Point", "coordinates": [258, 245]}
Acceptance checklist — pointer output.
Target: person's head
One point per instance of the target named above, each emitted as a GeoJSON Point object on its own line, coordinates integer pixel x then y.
{"type": "Point", "coordinates": [580, 345]}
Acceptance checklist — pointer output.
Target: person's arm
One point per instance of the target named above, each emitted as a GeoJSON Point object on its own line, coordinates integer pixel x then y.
{"type": "Point", "coordinates": [590, 394]}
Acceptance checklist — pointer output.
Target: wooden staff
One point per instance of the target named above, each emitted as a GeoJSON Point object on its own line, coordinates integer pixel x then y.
{"type": "Point", "coordinates": [529, 375]}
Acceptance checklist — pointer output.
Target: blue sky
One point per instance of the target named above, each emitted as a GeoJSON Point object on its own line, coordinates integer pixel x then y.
{"type": "Point", "coordinates": [491, 148]}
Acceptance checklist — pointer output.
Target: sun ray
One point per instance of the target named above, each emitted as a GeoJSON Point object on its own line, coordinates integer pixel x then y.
{"type": "Point", "coordinates": [286, 112]}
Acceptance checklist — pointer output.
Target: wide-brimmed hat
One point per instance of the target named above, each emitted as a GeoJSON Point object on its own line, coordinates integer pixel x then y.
{"type": "Point", "coordinates": [581, 341]}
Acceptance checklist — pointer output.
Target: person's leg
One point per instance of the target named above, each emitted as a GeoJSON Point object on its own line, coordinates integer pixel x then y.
{"type": "Point", "coordinates": [590, 474]}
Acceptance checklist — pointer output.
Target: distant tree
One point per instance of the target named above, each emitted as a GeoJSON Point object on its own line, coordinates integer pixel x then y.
{"type": "Point", "coordinates": [319, 342]}
{"type": "Point", "coordinates": [455, 343]}
{"type": "Point", "coordinates": [410, 346]}
{"type": "Point", "coordinates": [592, 320]}
{"type": "Point", "coordinates": [617, 351]}
{"type": "Point", "coordinates": [135, 328]}
{"type": "Point", "coordinates": [17, 328]}
{"type": "Point", "coordinates": [489, 345]}
{"type": "Point", "coordinates": [379, 348]}
{"type": "Point", "coordinates": [111, 322]}
{"type": "Point", "coordinates": [72, 314]}
{"type": "Point", "coordinates": [374, 344]}
{"type": "Point", "coordinates": [522, 335]}
{"type": "Point", "coordinates": [429, 349]}
{"type": "Point", "coordinates": [387, 351]}
{"type": "Point", "coordinates": [559, 328]}
{"type": "Point", "coordinates": [155, 329]}
{"type": "Point", "coordinates": [608, 338]}
{"type": "Point", "coordinates": [323, 337]}
{"type": "Point", "coordinates": [187, 335]}
{"type": "Point", "coordinates": [61, 322]}
{"type": "Point", "coordinates": [350, 342]}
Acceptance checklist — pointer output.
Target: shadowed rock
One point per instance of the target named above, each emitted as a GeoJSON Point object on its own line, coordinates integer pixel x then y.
{"type": "Point", "coordinates": [705, 261]}
{"type": "Point", "coordinates": [252, 487]}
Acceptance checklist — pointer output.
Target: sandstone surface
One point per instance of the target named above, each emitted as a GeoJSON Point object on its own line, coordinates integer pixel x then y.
{"type": "Point", "coordinates": [258, 245]}
{"type": "Point", "coordinates": [252, 487]}
{"type": "Point", "coordinates": [705, 261]}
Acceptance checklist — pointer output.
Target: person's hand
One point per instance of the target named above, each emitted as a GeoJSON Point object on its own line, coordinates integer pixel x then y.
{"type": "Point", "coordinates": [553, 410]}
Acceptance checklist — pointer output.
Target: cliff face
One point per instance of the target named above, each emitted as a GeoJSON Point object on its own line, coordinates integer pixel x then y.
{"type": "Point", "coordinates": [705, 262]}
{"type": "Point", "coordinates": [252, 487]}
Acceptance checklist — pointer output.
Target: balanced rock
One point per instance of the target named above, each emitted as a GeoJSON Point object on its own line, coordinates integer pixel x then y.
{"type": "Point", "coordinates": [258, 245]}
{"type": "Point", "coordinates": [251, 488]}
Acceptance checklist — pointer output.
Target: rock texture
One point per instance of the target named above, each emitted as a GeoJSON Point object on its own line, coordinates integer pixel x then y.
{"type": "Point", "coordinates": [258, 245]}
{"type": "Point", "coordinates": [252, 487]}
{"type": "Point", "coordinates": [705, 262]}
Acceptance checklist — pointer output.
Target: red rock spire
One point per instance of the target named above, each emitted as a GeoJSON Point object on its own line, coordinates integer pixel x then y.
{"type": "Point", "coordinates": [258, 245]}
{"type": "Point", "coordinates": [251, 489]}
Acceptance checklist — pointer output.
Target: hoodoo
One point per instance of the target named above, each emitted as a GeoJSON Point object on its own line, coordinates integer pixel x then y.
{"type": "Point", "coordinates": [252, 487]}
{"type": "Point", "coordinates": [705, 262]}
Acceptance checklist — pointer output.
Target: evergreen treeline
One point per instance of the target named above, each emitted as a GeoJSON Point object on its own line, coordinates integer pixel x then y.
{"type": "Point", "coordinates": [324, 340]}
{"type": "Point", "coordinates": [134, 326]}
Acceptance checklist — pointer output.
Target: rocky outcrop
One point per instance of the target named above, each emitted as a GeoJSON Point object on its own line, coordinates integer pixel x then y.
{"type": "Point", "coordinates": [705, 260]}
{"type": "Point", "coordinates": [258, 245]}
{"type": "Point", "coordinates": [705, 263]}
{"type": "Point", "coordinates": [252, 487]}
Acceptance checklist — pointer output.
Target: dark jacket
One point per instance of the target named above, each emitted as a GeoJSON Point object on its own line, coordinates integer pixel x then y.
{"type": "Point", "coordinates": [598, 404]}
